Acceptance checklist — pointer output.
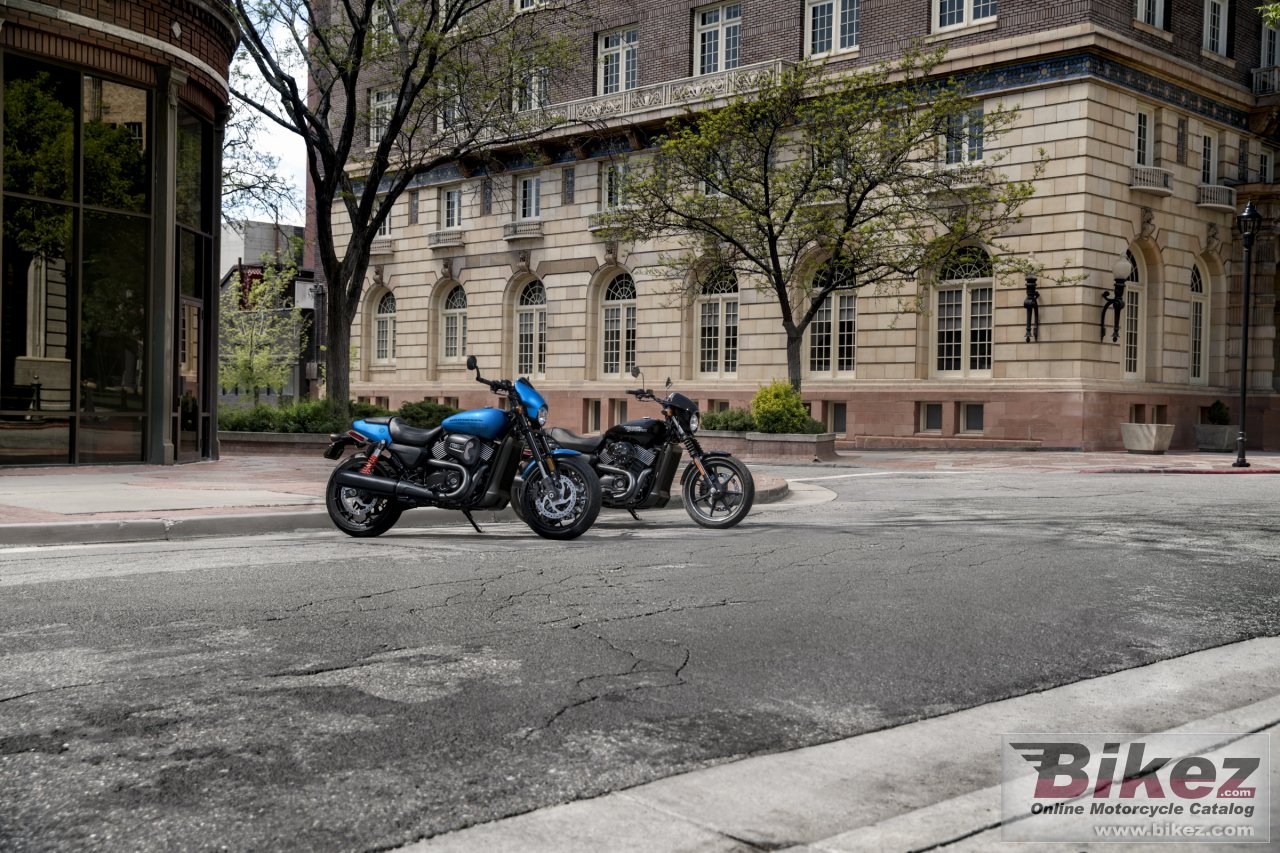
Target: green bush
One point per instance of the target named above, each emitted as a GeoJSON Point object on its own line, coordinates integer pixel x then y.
{"type": "Point", "coordinates": [813, 427]}
{"type": "Point", "coordinates": [730, 420]}
{"type": "Point", "coordinates": [426, 414]}
{"type": "Point", "coordinates": [310, 416]}
{"type": "Point", "coordinates": [778, 408]}
{"type": "Point", "coordinates": [1218, 414]}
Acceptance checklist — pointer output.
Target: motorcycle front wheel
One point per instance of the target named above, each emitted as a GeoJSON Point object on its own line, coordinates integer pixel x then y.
{"type": "Point", "coordinates": [731, 505]}
{"type": "Point", "coordinates": [357, 512]}
{"type": "Point", "coordinates": [562, 507]}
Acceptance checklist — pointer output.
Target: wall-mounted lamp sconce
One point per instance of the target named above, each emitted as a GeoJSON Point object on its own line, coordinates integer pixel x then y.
{"type": "Point", "coordinates": [1032, 306]}
{"type": "Point", "coordinates": [1120, 272]}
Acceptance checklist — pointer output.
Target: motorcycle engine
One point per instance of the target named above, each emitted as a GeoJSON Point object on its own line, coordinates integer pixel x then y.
{"type": "Point", "coordinates": [466, 450]}
{"type": "Point", "coordinates": [631, 458]}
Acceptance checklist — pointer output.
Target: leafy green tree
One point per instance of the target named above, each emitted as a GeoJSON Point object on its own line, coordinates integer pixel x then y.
{"type": "Point", "coordinates": [814, 183]}
{"type": "Point", "coordinates": [260, 329]}
{"type": "Point", "coordinates": [392, 89]}
{"type": "Point", "coordinates": [252, 184]}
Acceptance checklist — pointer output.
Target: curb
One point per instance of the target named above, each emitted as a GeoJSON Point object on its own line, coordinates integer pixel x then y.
{"type": "Point", "coordinates": [242, 524]}
{"type": "Point", "coordinates": [1180, 471]}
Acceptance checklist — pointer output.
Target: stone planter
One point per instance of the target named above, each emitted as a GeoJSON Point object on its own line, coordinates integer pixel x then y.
{"type": "Point", "coordinates": [272, 443]}
{"type": "Point", "coordinates": [771, 446]}
{"type": "Point", "coordinates": [1146, 438]}
{"type": "Point", "coordinates": [1217, 438]}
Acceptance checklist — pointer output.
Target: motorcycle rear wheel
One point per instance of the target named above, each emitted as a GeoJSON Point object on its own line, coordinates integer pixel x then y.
{"type": "Point", "coordinates": [566, 514]}
{"type": "Point", "coordinates": [738, 492]}
{"type": "Point", "coordinates": [356, 512]}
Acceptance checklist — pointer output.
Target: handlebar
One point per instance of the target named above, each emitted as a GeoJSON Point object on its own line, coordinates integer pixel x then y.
{"type": "Point", "coordinates": [497, 385]}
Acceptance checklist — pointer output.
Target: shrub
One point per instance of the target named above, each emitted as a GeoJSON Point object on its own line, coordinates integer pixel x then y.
{"type": "Point", "coordinates": [813, 427]}
{"type": "Point", "coordinates": [778, 408]}
{"type": "Point", "coordinates": [1218, 414]}
{"type": "Point", "coordinates": [426, 414]}
{"type": "Point", "coordinates": [310, 416]}
{"type": "Point", "coordinates": [730, 420]}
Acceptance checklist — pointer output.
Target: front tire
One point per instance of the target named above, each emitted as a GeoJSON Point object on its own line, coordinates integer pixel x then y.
{"type": "Point", "coordinates": [563, 510]}
{"type": "Point", "coordinates": [356, 512]}
{"type": "Point", "coordinates": [737, 492]}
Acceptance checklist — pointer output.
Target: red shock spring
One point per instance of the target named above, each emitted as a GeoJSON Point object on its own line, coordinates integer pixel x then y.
{"type": "Point", "coordinates": [367, 468]}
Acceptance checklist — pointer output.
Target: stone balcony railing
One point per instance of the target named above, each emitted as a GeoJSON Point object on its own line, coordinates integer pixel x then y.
{"type": "Point", "coordinates": [522, 229]}
{"type": "Point", "coordinates": [382, 246]}
{"type": "Point", "coordinates": [1151, 179]}
{"type": "Point", "coordinates": [1214, 197]}
{"type": "Point", "coordinates": [445, 238]}
{"type": "Point", "coordinates": [1266, 81]}
{"type": "Point", "coordinates": [674, 93]}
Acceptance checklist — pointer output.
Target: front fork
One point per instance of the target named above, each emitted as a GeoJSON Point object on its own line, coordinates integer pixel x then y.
{"type": "Point", "coordinates": [695, 455]}
{"type": "Point", "coordinates": [545, 461]}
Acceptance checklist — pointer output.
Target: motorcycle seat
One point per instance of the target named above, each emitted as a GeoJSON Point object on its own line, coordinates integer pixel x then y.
{"type": "Point", "coordinates": [572, 441]}
{"type": "Point", "coordinates": [402, 433]}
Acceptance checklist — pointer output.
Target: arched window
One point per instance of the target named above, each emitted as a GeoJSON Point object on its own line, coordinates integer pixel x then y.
{"type": "Point", "coordinates": [962, 314]}
{"type": "Point", "coordinates": [717, 313]}
{"type": "Point", "coordinates": [531, 330]}
{"type": "Point", "coordinates": [618, 320]}
{"type": "Point", "coordinates": [1199, 327]}
{"type": "Point", "coordinates": [1134, 328]}
{"type": "Point", "coordinates": [384, 325]}
{"type": "Point", "coordinates": [834, 328]}
{"type": "Point", "coordinates": [454, 333]}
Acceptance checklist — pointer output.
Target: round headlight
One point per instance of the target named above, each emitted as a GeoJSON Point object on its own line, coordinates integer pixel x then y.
{"type": "Point", "coordinates": [542, 415]}
{"type": "Point", "coordinates": [694, 422]}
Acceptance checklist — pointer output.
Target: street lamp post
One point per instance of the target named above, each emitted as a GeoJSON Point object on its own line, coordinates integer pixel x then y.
{"type": "Point", "coordinates": [1250, 220]}
{"type": "Point", "coordinates": [1120, 273]}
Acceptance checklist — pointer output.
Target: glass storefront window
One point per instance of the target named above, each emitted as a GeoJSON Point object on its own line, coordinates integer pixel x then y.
{"type": "Point", "coordinates": [115, 157]}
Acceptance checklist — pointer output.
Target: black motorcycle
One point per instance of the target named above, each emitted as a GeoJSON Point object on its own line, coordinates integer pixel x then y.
{"type": "Point", "coordinates": [637, 462]}
{"type": "Point", "coordinates": [467, 463]}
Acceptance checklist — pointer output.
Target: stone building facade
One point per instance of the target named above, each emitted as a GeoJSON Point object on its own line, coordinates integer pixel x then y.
{"type": "Point", "coordinates": [1159, 120]}
{"type": "Point", "coordinates": [112, 129]}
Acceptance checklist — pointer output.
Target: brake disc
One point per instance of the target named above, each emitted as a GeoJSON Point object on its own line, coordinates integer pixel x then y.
{"type": "Point", "coordinates": [557, 504]}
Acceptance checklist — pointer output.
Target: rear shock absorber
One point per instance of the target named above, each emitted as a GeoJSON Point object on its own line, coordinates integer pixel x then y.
{"type": "Point", "coordinates": [369, 463]}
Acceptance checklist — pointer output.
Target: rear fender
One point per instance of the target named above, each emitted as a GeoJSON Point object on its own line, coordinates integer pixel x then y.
{"type": "Point", "coordinates": [339, 443]}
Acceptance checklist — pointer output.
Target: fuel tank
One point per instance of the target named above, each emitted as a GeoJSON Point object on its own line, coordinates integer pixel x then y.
{"type": "Point", "coordinates": [646, 432]}
{"type": "Point", "coordinates": [487, 423]}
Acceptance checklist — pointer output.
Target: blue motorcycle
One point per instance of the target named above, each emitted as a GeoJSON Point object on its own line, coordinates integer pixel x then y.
{"type": "Point", "coordinates": [466, 463]}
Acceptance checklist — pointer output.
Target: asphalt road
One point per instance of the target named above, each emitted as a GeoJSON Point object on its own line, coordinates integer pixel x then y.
{"type": "Point", "coordinates": [317, 693]}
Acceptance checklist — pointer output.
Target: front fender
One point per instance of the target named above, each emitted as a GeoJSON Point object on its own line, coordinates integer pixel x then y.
{"type": "Point", "coordinates": [692, 469]}
{"type": "Point", "coordinates": [529, 469]}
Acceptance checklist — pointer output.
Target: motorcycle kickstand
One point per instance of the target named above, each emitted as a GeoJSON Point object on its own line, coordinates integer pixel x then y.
{"type": "Point", "coordinates": [633, 514]}
{"type": "Point", "coordinates": [472, 520]}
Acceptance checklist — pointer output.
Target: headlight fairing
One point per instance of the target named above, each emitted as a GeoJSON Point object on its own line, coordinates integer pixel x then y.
{"type": "Point", "coordinates": [694, 422]}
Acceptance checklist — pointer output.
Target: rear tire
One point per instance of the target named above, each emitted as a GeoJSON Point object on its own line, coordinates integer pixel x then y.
{"type": "Point", "coordinates": [566, 514]}
{"type": "Point", "coordinates": [356, 512]}
{"type": "Point", "coordinates": [738, 492]}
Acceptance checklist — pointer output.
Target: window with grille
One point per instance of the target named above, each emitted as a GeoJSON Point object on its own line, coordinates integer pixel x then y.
{"type": "Point", "coordinates": [384, 345]}
{"type": "Point", "coordinates": [382, 103]}
{"type": "Point", "coordinates": [619, 70]}
{"type": "Point", "coordinates": [531, 330]}
{"type": "Point", "coordinates": [1134, 327]}
{"type": "Point", "coordinates": [717, 38]}
{"type": "Point", "coordinates": [964, 137]}
{"type": "Point", "coordinates": [384, 228]}
{"type": "Point", "coordinates": [959, 13]}
{"type": "Point", "coordinates": [611, 190]}
{"type": "Point", "coordinates": [962, 315]}
{"type": "Point", "coordinates": [455, 324]}
{"type": "Point", "coordinates": [717, 313]}
{"type": "Point", "coordinates": [834, 328]}
{"type": "Point", "coordinates": [568, 181]}
{"type": "Point", "coordinates": [529, 190]}
{"type": "Point", "coordinates": [1199, 318]}
{"type": "Point", "coordinates": [1151, 12]}
{"type": "Point", "coordinates": [832, 25]}
{"type": "Point", "coordinates": [532, 93]}
{"type": "Point", "coordinates": [1143, 140]}
{"type": "Point", "coordinates": [618, 326]}
{"type": "Point", "coordinates": [1208, 160]}
{"type": "Point", "coordinates": [451, 208]}
{"type": "Point", "coordinates": [1215, 26]}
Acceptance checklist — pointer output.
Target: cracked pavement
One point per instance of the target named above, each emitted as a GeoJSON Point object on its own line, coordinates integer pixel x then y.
{"type": "Point", "coordinates": [314, 692]}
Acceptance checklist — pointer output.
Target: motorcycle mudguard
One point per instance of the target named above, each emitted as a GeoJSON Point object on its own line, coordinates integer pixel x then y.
{"type": "Point", "coordinates": [532, 466]}
{"type": "Point", "coordinates": [337, 444]}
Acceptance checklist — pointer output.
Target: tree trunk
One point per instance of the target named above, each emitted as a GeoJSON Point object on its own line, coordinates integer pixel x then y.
{"type": "Point", "coordinates": [794, 340]}
{"type": "Point", "coordinates": [337, 356]}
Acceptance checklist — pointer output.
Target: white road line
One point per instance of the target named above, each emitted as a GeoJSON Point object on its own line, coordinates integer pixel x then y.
{"type": "Point", "coordinates": [840, 476]}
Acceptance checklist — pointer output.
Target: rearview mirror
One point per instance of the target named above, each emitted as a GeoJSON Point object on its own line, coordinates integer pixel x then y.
{"type": "Point", "coordinates": [471, 362]}
{"type": "Point", "coordinates": [635, 372]}
{"type": "Point", "coordinates": [668, 381]}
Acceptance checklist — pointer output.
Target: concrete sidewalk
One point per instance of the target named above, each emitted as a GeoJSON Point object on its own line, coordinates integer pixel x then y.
{"type": "Point", "coordinates": [232, 496]}
{"type": "Point", "coordinates": [283, 493]}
